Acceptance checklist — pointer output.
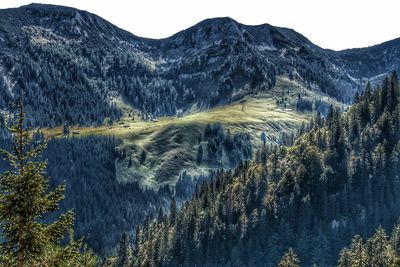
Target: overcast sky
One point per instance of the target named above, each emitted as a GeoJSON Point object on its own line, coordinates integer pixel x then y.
{"type": "Point", "coordinates": [335, 24]}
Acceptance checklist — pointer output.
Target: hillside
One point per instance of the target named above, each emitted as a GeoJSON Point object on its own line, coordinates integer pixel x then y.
{"type": "Point", "coordinates": [73, 66]}
{"type": "Point", "coordinates": [337, 180]}
{"type": "Point", "coordinates": [171, 143]}
{"type": "Point", "coordinates": [112, 188]}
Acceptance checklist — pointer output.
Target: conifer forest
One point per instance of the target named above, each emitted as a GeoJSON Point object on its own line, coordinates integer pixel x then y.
{"type": "Point", "coordinates": [222, 145]}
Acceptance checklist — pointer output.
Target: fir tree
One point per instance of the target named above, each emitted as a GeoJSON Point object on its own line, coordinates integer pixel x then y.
{"type": "Point", "coordinates": [395, 239]}
{"type": "Point", "coordinates": [123, 251]}
{"type": "Point", "coordinates": [172, 216]}
{"type": "Point", "coordinates": [264, 137]}
{"type": "Point", "coordinates": [345, 258]}
{"type": "Point", "coordinates": [25, 200]}
{"type": "Point", "coordinates": [289, 259]}
{"type": "Point", "coordinates": [142, 157]}
{"type": "Point", "coordinates": [358, 254]}
{"type": "Point", "coordinates": [379, 250]}
{"type": "Point", "coordinates": [200, 154]}
{"type": "Point", "coordinates": [66, 128]}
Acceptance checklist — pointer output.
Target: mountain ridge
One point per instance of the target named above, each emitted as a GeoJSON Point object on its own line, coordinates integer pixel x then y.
{"type": "Point", "coordinates": [215, 62]}
{"type": "Point", "coordinates": [204, 22]}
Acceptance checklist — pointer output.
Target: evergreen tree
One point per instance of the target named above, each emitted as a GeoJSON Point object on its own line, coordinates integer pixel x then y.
{"type": "Point", "coordinates": [290, 259]}
{"type": "Point", "coordinates": [130, 162]}
{"type": "Point", "coordinates": [379, 250]}
{"type": "Point", "coordinates": [345, 258]}
{"type": "Point", "coordinates": [123, 251]}
{"type": "Point", "coordinates": [199, 154]}
{"type": "Point", "coordinates": [358, 253]}
{"type": "Point", "coordinates": [263, 137]}
{"type": "Point", "coordinates": [142, 157]}
{"type": "Point", "coordinates": [25, 199]}
{"type": "Point", "coordinates": [395, 239]}
{"type": "Point", "coordinates": [66, 128]}
{"type": "Point", "coordinates": [172, 216]}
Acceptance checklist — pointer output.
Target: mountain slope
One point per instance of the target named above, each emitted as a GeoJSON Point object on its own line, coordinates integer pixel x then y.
{"type": "Point", "coordinates": [74, 66]}
{"type": "Point", "coordinates": [171, 143]}
{"type": "Point", "coordinates": [337, 180]}
{"type": "Point", "coordinates": [372, 62]}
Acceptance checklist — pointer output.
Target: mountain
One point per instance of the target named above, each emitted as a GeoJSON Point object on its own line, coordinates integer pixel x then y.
{"type": "Point", "coordinates": [74, 66]}
{"type": "Point", "coordinates": [220, 85]}
{"type": "Point", "coordinates": [339, 179]}
{"type": "Point", "coordinates": [372, 62]}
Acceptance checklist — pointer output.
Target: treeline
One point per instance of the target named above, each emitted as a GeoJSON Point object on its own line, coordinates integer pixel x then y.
{"type": "Point", "coordinates": [102, 205]}
{"type": "Point", "coordinates": [339, 179]}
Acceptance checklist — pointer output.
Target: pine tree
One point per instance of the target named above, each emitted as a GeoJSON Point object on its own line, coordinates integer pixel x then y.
{"type": "Point", "coordinates": [263, 137]}
{"type": "Point", "coordinates": [123, 251]}
{"type": "Point", "coordinates": [345, 258]}
{"type": "Point", "coordinates": [2, 121]}
{"type": "Point", "coordinates": [27, 239]}
{"type": "Point", "coordinates": [66, 128]}
{"type": "Point", "coordinates": [172, 215]}
{"type": "Point", "coordinates": [395, 239]}
{"type": "Point", "coordinates": [142, 157]}
{"type": "Point", "coordinates": [289, 259]}
{"type": "Point", "coordinates": [200, 154]}
{"type": "Point", "coordinates": [358, 254]}
{"type": "Point", "coordinates": [379, 250]}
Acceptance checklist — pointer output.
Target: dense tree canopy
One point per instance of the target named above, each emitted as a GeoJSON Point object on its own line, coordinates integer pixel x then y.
{"type": "Point", "coordinates": [340, 178]}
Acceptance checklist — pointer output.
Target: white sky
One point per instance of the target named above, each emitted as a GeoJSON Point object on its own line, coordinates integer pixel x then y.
{"type": "Point", "coordinates": [335, 24]}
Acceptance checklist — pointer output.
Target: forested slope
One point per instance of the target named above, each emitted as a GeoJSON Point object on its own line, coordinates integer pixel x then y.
{"type": "Point", "coordinates": [337, 180]}
{"type": "Point", "coordinates": [102, 205]}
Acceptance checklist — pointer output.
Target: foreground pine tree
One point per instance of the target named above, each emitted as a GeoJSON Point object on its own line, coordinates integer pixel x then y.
{"type": "Point", "coordinates": [25, 200]}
